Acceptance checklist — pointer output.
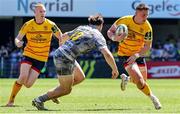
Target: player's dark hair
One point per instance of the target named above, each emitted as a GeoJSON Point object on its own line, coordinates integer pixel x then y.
{"type": "Point", "coordinates": [96, 19]}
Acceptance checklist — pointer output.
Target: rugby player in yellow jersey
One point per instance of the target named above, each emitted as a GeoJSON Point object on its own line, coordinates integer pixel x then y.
{"type": "Point", "coordinates": [132, 49]}
{"type": "Point", "coordinates": [38, 32]}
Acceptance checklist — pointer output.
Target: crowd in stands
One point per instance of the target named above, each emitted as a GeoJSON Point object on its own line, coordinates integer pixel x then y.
{"type": "Point", "coordinates": [168, 50]}
{"type": "Point", "coordinates": [10, 56]}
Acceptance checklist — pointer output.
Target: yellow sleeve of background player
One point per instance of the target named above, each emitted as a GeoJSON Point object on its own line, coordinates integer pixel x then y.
{"type": "Point", "coordinates": [24, 29]}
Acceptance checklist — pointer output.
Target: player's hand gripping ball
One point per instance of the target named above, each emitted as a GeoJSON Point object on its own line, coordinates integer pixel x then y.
{"type": "Point", "coordinates": [122, 28]}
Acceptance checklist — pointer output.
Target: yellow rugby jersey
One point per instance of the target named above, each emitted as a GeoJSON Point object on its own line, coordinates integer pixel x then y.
{"type": "Point", "coordinates": [38, 38]}
{"type": "Point", "coordinates": [137, 35]}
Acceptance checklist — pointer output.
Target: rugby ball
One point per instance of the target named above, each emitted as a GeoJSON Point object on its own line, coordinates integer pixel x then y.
{"type": "Point", "coordinates": [122, 28]}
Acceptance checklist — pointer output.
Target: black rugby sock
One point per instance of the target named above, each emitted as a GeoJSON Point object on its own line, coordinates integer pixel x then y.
{"type": "Point", "coordinates": [44, 98]}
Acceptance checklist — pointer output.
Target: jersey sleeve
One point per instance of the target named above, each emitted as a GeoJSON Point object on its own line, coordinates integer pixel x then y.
{"type": "Point", "coordinates": [55, 28]}
{"type": "Point", "coordinates": [24, 29]}
{"type": "Point", "coordinates": [149, 34]}
{"type": "Point", "coordinates": [100, 42]}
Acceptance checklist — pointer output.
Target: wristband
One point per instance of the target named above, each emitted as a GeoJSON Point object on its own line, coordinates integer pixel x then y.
{"type": "Point", "coordinates": [16, 40]}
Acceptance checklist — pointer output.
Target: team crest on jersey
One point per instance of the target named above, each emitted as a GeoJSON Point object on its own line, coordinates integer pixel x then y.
{"type": "Point", "coordinates": [38, 38]}
{"type": "Point", "coordinates": [141, 30]}
{"type": "Point", "coordinates": [32, 28]}
{"type": "Point", "coordinates": [45, 28]}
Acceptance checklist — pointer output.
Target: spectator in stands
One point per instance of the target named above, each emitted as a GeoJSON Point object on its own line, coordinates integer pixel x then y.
{"type": "Point", "coordinates": [171, 54]}
{"type": "Point", "coordinates": [10, 45]}
{"type": "Point", "coordinates": [15, 58]}
{"type": "Point", "coordinates": [169, 43]}
{"type": "Point", "coordinates": [178, 44]}
{"type": "Point", "coordinates": [178, 47]}
{"type": "Point", "coordinates": [170, 49]}
{"type": "Point", "coordinates": [157, 52]}
{"type": "Point", "coordinates": [3, 51]}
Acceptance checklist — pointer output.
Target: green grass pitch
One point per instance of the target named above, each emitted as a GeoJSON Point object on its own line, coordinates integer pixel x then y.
{"type": "Point", "coordinates": [95, 96]}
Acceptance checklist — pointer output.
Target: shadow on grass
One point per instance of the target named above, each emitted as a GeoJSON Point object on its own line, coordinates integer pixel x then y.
{"type": "Point", "coordinates": [103, 109]}
{"type": "Point", "coordinates": [42, 110]}
{"type": "Point", "coordinates": [98, 109]}
{"type": "Point", "coordinates": [11, 106]}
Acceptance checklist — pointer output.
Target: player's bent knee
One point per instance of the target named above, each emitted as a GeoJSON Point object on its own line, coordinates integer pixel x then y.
{"type": "Point", "coordinates": [82, 79]}
{"type": "Point", "coordinates": [78, 80]}
{"type": "Point", "coordinates": [28, 85]}
{"type": "Point", "coordinates": [21, 80]}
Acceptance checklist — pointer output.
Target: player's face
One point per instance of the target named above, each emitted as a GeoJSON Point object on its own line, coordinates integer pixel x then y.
{"type": "Point", "coordinates": [40, 12]}
{"type": "Point", "coordinates": [143, 14]}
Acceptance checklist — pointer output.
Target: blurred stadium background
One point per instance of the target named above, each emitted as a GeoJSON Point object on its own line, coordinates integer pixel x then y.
{"type": "Point", "coordinates": [163, 60]}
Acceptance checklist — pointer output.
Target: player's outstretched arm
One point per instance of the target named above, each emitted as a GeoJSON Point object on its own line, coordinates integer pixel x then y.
{"type": "Point", "coordinates": [110, 60]}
